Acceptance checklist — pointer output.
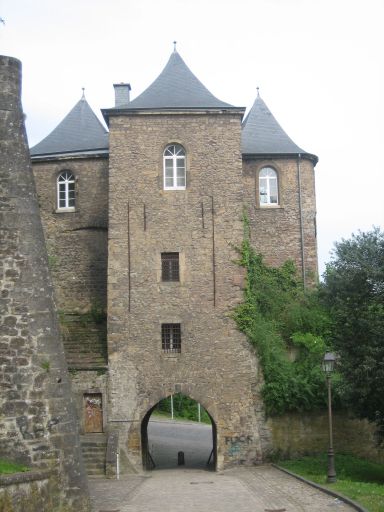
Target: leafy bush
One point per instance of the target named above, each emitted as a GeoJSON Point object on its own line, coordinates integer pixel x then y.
{"type": "Point", "coordinates": [289, 328]}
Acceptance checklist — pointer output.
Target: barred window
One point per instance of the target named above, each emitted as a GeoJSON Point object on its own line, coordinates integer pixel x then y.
{"type": "Point", "coordinates": [170, 266]}
{"type": "Point", "coordinates": [171, 337]}
{"type": "Point", "coordinates": [65, 190]}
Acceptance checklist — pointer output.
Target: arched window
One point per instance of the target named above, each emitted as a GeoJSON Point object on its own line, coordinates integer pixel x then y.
{"type": "Point", "coordinates": [174, 167]}
{"type": "Point", "coordinates": [65, 190]}
{"type": "Point", "coordinates": [268, 186]}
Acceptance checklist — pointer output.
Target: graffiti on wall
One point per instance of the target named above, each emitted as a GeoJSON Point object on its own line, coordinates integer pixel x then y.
{"type": "Point", "coordinates": [234, 443]}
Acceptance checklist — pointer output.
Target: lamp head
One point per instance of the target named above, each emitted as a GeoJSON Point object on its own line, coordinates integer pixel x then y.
{"type": "Point", "coordinates": [329, 362]}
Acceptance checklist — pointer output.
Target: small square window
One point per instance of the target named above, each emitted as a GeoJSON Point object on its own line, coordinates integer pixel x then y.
{"type": "Point", "coordinates": [171, 337]}
{"type": "Point", "coordinates": [170, 266]}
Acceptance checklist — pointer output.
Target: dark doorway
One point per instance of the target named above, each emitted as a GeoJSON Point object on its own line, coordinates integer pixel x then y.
{"type": "Point", "coordinates": [178, 432]}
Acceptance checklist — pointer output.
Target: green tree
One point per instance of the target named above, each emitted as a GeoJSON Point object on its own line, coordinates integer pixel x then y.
{"type": "Point", "coordinates": [353, 292]}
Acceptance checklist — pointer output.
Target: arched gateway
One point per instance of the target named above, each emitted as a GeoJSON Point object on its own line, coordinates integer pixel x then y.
{"type": "Point", "coordinates": [210, 456]}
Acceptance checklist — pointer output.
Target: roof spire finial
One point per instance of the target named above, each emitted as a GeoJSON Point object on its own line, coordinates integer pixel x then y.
{"type": "Point", "coordinates": [174, 46]}
{"type": "Point", "coordinates": [83, 95]}
{"type": "Point", "coordinates": [258, 91]}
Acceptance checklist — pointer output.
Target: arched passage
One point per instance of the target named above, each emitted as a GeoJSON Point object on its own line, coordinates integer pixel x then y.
{"type": "Point", "coordinates": [162, 440]}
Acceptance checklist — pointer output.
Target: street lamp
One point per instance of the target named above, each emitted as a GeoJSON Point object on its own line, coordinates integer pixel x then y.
{"type": "Point", "coordinates": [328, 367]}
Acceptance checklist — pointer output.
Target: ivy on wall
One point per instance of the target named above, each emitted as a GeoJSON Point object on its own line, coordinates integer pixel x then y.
{"type": "Point", "coordinates": [289, 329]}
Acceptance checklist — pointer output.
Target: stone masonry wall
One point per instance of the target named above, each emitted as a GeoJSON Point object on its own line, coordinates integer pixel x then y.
{"type": "Point", "coordinates": [32, 491]}
{"type": "Point", "coordinates": [216, 366]}
{"type": "Point", "coordinates": [275, 230]}
{"type": "Point", "coordinates": [295, 434]}
{"type": "Point", "coordinates": [76, 241]}
{"type": "Point", "coordinates": [37, 416]}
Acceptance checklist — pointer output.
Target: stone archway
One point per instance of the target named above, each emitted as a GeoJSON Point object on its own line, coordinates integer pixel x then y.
{"type": "Point", "coordinates": [147, 460]}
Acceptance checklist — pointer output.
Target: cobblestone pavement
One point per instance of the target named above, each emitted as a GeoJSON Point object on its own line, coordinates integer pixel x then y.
{"type": "Point", "coordinates": [259, 489]}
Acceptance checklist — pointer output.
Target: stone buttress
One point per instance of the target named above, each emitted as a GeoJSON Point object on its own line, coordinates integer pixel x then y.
{"type": "Point", "coordinates": [38, 425]}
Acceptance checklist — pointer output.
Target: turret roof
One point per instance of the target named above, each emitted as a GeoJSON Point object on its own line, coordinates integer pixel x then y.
{"type": "Point", "coordinates": [176, 87]}
{"type": "Point", "coordinates": [262, 134]}
{"type": "Point", "coordinates": [80, 131]}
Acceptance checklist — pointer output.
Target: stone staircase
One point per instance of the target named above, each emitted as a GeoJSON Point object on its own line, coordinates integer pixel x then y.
{"type": "Point", "coordinates": [84, 342]}
{"type": "Point", "coordinates": [93, 447]}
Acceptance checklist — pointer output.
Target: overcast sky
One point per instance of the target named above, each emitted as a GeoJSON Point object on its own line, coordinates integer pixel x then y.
{"type": "Point", "coordinates": [318, 63]}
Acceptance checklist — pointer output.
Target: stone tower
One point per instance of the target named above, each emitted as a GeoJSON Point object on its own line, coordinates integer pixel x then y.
{"type": "Point", "coordinates": [38, 424]}
{"type": "Point", "coordinates": [175, 191]}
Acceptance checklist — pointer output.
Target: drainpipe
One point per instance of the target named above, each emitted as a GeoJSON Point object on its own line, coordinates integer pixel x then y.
{"type": "Point", "coordinates": [301, 219]}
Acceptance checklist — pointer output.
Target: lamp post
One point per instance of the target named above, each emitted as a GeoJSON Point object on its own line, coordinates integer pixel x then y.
{"type": "Point", "coordinates": [328, 367]}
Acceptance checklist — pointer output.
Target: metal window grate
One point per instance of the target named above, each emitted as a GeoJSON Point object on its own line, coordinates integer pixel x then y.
{"type": "Point", "coordinates": [171, 337]}
{"type": "Point", "coordinates": [170, 266]}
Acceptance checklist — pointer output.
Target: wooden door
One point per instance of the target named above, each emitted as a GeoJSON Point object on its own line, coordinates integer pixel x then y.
{"type": "Point", "coordinates": [93, 410]}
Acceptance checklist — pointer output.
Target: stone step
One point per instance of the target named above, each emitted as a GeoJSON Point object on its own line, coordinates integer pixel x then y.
{"type": "Point", "coordinates": [85, 355]}
{"type": "Point", "coordinates": [89, 452]}
{"type": "Point", "coordinates": [84, 350]}
{"type": "Point", "coordinates": [94, 447]}
{"type": "Point", "coordinates": [84, 341]}
{"type": "Point", "coordinates": [90, 458]}
{"type": "Point", "coordinates": [93, 466]}
{"type": "Point", "coordinates": [75, 359]}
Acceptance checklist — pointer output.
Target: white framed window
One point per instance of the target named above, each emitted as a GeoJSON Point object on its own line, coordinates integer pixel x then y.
{"type": "Point", "coordinates": [174, 167]}
{"type": "Point", "coordinates": [65, 190]}
{"type": "Point", "coordinates": [268, 187]}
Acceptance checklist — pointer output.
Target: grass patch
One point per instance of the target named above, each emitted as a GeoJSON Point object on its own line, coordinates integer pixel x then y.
{"type": "Point", "coordinates": [7, 467]}
{"type": "Point", "coordinates": [358, 479]}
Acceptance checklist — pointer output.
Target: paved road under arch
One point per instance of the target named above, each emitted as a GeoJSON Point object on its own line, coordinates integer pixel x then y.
{"type": "Point", "coordinates": [256, 489]}
{"type": "Point", "coordinates": [166, 438]}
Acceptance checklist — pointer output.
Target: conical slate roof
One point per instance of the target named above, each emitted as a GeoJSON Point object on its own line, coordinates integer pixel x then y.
{"type": "Point", "coordinates": [262, 134]}
{"type": "Point", "coordinates": [80, 131]}
{"type": "Point", "coordinates": [176, 87]}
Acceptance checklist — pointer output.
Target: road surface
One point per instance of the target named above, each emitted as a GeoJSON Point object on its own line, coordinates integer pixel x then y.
{"type": "Point", "coordinates": [190, 488]}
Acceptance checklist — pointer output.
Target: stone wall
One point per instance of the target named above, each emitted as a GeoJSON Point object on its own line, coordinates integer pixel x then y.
{"type": "Point", "coordinates": [216, 366]}
{"type": "Point", "coordinates": [76, 240]}
{"type": "Point", "coordinates": [302, 434]}
{"type": "Point", "coordinates": [37, 416]}
{"type": "Point", "coordinates": [32, 491]}
{"type": "Point", "coordinates": [276, 230]}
